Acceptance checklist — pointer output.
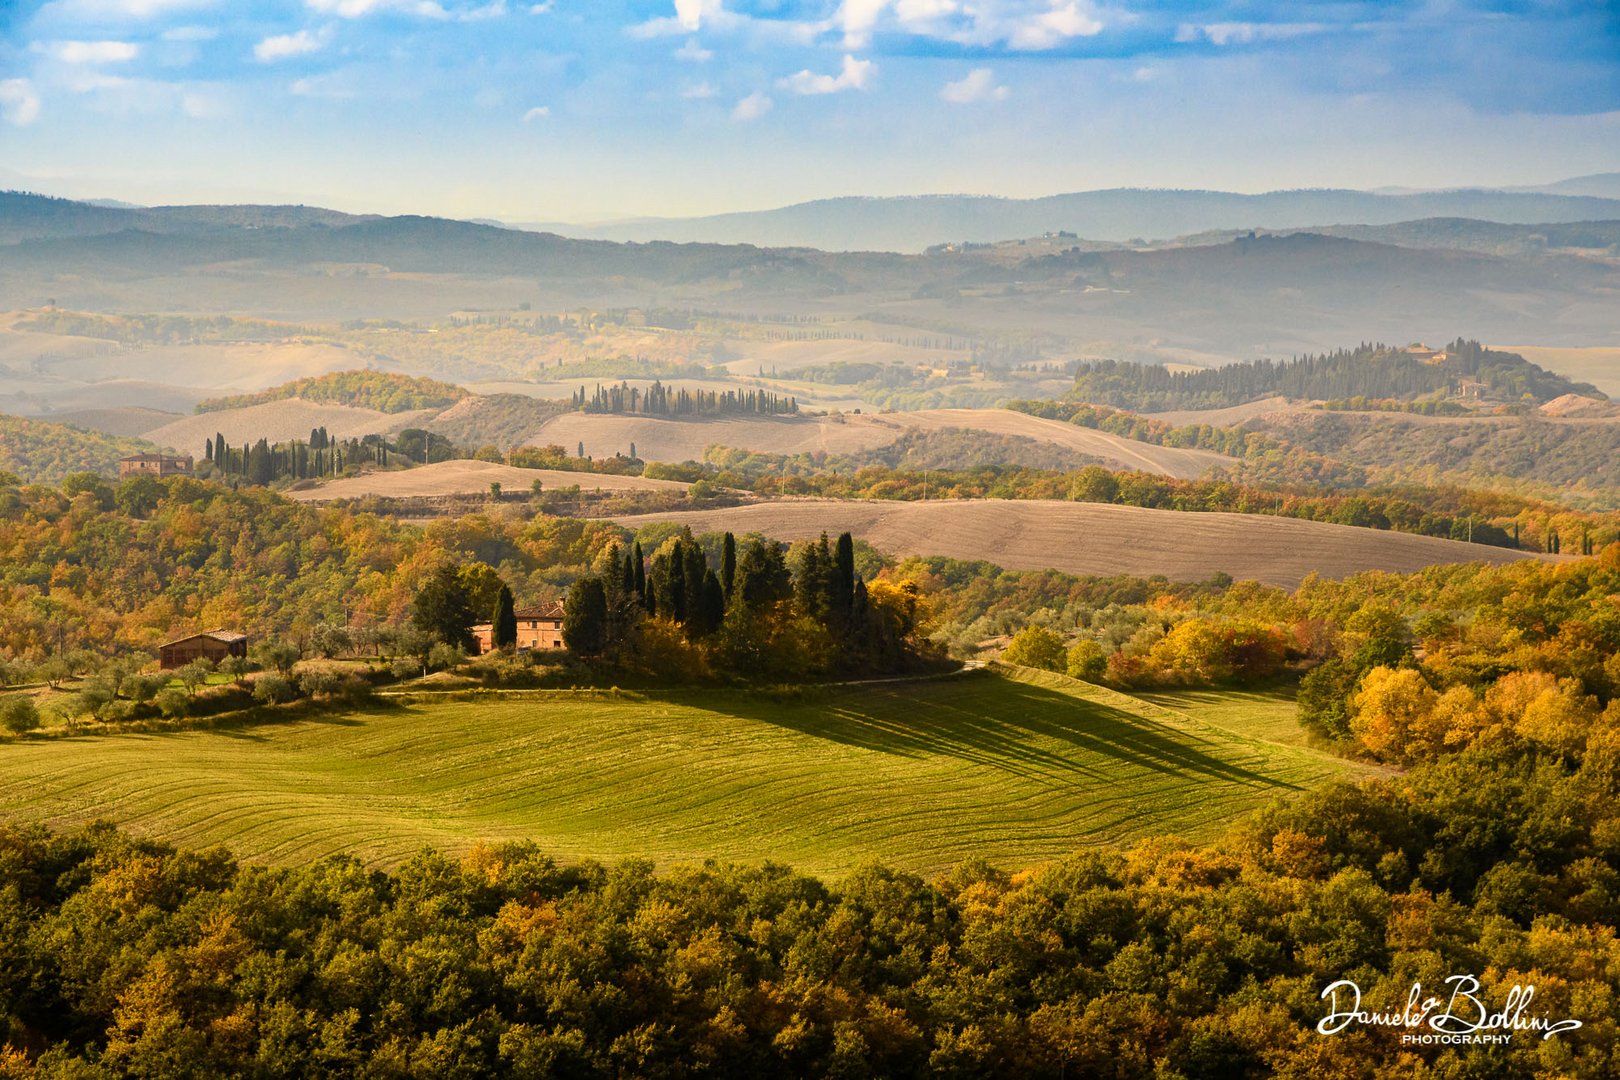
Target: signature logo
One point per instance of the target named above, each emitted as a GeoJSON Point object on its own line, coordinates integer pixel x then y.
{"type": "Point", "coordinates": [1459, 1016]}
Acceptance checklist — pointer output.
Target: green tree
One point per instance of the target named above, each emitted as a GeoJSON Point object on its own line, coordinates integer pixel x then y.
{"type": "Point", "coordinates": [1086, 660]}
{"type": "Point", "coordinates": [18, 714]}
{"type": "Point", "coordinates": [585, 617]}
{"type": "Point", "coordinates": [444, 609]}
{"type": "Point", "coordinates": [1036, 647]}
{"type": "Point", "coordinates": [503, 624]}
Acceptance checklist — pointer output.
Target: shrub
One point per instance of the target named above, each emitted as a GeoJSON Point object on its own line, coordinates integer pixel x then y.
{"type": "Point", "coordinates": [273, 689]}
{"type": "Point", "coordinates": [19, 714]}
{"type": "Point", "coordinates": [320, 683]}
{"type": "Point", "coordinates": [1087, 660]}
{"type": "Point", "coordinates": [173, 702]}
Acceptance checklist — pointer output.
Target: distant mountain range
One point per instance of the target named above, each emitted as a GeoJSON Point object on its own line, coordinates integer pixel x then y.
{"type": "Point", "coordinates": [913, 223]}
{"type": "Point", "coordinates": [1229, 294]}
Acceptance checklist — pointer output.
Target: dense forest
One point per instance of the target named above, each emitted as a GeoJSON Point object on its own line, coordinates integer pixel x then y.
{"type": "Point", "coordinates": [384, 391]}
{"type": "Point", "coordinates": [661, 400]}
{"type": "Point", "coordinates": [1368, 371]}
{"type": "Point", "coordinates": [40, 452]}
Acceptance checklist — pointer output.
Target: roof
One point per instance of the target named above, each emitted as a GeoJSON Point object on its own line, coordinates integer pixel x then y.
{"type": "Point", "coordinates": [228, 637]}
{"type": "Point", "coordinates": [551, 609]}
{"type": "Point", "coordinates": [155, 457]}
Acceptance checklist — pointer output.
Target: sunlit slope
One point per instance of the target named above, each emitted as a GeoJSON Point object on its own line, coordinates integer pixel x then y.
{"type": "Point", "coordinates": [1095, 538]}
{"type": "Point", "coordinates": [918, 774]}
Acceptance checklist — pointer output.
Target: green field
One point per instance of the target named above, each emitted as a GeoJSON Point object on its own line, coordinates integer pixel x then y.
{"type": "Point", "coordinates": [920, 775]}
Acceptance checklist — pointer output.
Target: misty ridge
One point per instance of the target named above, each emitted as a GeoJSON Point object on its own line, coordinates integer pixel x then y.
{"type": "Point", "coordinates": [1240, 281]}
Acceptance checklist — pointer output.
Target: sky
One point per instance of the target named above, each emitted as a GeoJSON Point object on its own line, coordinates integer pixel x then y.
{"type": "Point", "coordinates": [592, 110]}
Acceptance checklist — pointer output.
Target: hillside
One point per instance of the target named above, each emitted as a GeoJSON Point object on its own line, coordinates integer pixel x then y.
{"type": "Point", "coordinates": [40, 452]}
{"type": "Point", "coordinates": [383, 391]}
{"type": "Point", "coordinates": [464, 477]}
{"type": "Point", "coordinates": [922, 775]}
{"type": "Point", "coordinates": [279, 421]}
{"type": "Point", "coordinates": [683, 440]}
{"type": "Point", "coordinates": [1095, 538]}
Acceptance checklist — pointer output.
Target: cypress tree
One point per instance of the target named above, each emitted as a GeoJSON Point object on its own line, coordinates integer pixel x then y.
{"type": "Point", "coordinates": [585, 617]}
{"type": "Point", "coordinates": [710, 611]}
{"type": "Point", "coordinates": [843, 577]}
{"type": "Point", "coordinates": [641, 578]}
{"type": "Point", "coordinates": [503, 624]}
{"type": "Point", "coordinates": [728, 565]}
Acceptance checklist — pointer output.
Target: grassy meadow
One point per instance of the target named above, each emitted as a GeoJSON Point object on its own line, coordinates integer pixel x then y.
{"type": "Point", "coordinates": [1016, 768]}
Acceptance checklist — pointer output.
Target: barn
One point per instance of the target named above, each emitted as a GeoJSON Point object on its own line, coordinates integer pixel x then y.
{"type": "Point", "coordinates": [214, 645]}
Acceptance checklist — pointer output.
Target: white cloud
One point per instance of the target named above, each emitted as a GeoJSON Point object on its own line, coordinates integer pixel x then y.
{"type": "Point", "coordinates": [19, 103]}
{"type": "Point", "coordinates": [689, 13]}
{"type": "Point", "coordinates": [857, 18]}
{"type": "Point", "coordinates": [1244, 33]}
{"type": "Point", "coordinates": [539, 112]}
{"type": "Point", "coordinates": [694, 52]}
{"type": "Point", "coordinates": [978, 85]}
{"type": "Point", "coordinates": [121, 9]}
{"type": "Point", "coordinates": [541, 9]}
{"type": "Point", "coordinates": [698, 91]}
{"type": "Point", "coordinates": [752, 107]}
{"type": "Point", "coordinates": [427, 9]}
{"type": "Point", "coordinates": [93, 52]}
{"type": "Point", "coordinates": [1022, 25]}
{"type": "Point", "coordinates": [1054, 27]}
{"type": "Point", "coordinates": [286, 46]}
{"type": "Point", "coordinates": [854, 76]}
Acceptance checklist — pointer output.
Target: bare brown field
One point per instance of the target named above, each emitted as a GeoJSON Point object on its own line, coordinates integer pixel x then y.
{"type": "Point", "coordinates": [682, 440]}
{"type": "Point", "coordinates": [471, 478]}
{"type": "Point", "coordinates": [279, 421]}
{"type": "Point", "coordinates": [126, 420]}
{"type": "Point", "coordinates": [1094, 538]}
{"type": "Point", "coordinates": [1598, 365]}
{"type": "Point", "coordinates": [788, 356]}
{"type": "Point", "coordinates": [1227, 417]}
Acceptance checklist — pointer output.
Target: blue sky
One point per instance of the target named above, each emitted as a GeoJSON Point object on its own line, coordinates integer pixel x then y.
{"type": "Point", "coordinates": [574, 110]}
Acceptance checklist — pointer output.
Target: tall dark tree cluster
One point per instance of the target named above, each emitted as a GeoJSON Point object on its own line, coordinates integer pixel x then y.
{"type": "Point", "coordinates": [661, 400]}
{"type": "Point", "coordinates": [752, 595]}
{"type": "Point", "coordinates": [322, 455]}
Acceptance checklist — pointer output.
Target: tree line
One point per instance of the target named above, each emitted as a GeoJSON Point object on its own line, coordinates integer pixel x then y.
{"type": "Point", "coordinates": [1367, 371]}
{"type": "Point", "coordinates": [661, 400]}
{"type": "Point", "coordinates": [265, 463]}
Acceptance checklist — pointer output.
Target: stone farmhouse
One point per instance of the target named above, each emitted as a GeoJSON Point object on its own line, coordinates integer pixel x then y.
{"type": "Point", "coordinates": [153, 465]}
{"type": "Point", "coordinates": [539, 628]}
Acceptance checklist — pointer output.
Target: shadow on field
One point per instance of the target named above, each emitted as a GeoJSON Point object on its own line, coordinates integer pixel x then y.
{"type": "Point", "coordinates": [1009, 727]}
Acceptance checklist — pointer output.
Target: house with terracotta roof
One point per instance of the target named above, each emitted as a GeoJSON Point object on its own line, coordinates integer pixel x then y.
{"type": "Point", "coordinates": [154, 465]}
{"type": "Point", "coordinates": [539, 628]}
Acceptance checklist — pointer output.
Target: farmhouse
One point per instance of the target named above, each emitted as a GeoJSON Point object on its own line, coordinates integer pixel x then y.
{"type": "Point", "coordinates": [213, 645]}
{"type": "Point", "coordinates": [537, 628]}
{"type": "Point", "coordinates": [153, 465]}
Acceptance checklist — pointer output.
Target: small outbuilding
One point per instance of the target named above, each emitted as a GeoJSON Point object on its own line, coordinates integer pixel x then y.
{"type": "Point", "coordinates": [214, 645]}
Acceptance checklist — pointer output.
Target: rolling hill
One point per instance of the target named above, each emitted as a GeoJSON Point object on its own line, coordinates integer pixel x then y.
{"type": "Point", "coordinates": [279, 421]}
{"type": "Point", "coordinates": [921, 775]}
{"type": "Point", "coordinates": [681, 440]}
{"type": "Point", "coordinates": [471, 478]}
{"type": "Point", "coordinates": [1095, 538]}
